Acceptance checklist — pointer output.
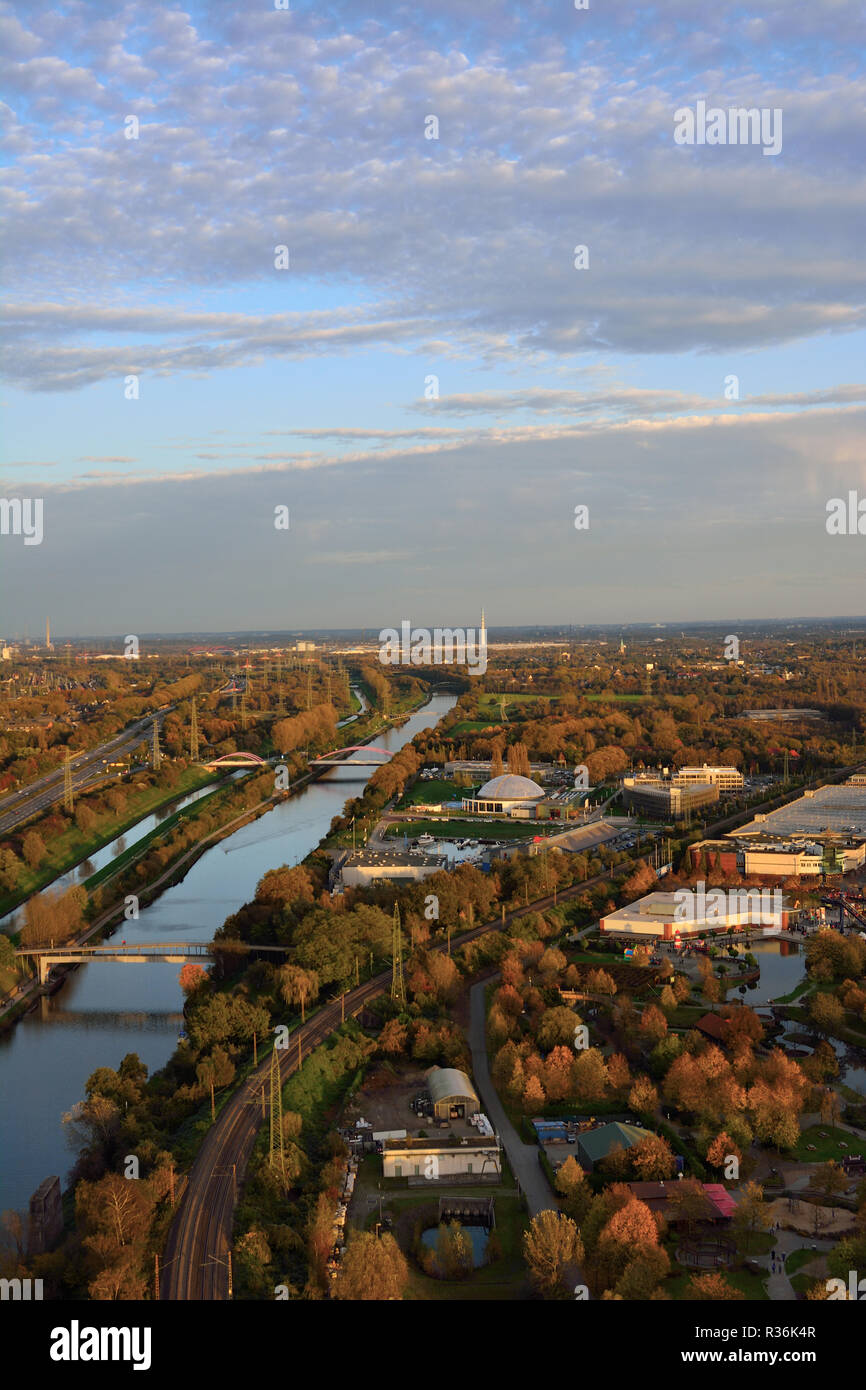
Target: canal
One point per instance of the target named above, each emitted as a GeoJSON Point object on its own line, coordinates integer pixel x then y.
{"type": "Point", "coordinates": [106, 1010]}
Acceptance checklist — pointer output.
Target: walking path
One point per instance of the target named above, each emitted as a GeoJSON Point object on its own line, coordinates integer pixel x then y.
{"type": "Point", "coordinates": [523, 1158]}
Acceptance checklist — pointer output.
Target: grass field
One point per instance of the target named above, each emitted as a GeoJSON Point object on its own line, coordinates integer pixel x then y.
{"type": "Point", "coordinates": [752, 1285]}
{"type": "Point", "coordinates": [434, 790]}
{"type": "Point", "coordinates": [827, 1147]}
{"type": "Point", "coordinates": [447, 829]}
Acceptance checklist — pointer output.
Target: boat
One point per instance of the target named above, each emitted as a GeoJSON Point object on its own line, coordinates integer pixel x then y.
{"type": "Point", "coordinates": [426, 840]}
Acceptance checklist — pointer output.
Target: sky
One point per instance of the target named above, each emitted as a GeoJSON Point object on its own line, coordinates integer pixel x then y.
{"type": "Point", "coordinates": [431, 386]}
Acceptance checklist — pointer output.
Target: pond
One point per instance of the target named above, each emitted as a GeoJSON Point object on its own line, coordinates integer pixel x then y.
{"type": "Point", "coordinates": [479, 1236]}
{"type": "Point", "coordinates": [783, 966]}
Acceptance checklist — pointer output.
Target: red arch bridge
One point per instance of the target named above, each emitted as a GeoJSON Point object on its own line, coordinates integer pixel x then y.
{"type": "Point", "coordinates": [237, 760]}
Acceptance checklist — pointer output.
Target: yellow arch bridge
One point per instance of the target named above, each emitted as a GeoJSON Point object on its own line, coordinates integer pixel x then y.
{"type": "Point", "coordinates": [171, 952]}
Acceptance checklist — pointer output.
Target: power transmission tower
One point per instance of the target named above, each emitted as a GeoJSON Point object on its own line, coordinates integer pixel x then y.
{"type": "Point", "coordinates": [277, 1156]}
{"type": "Point", "coordinates": [310, 689]}
{"type": "Point", "coordinates": [398, 986]}
{"type": "Point", "coordinates": [157, 755]}
{"type": "Point", "coordinates": [193, 732]}
{"type": "Point", "coordinates": [243, 709]}
{"type": "Point", "coordinates": [68, 800]}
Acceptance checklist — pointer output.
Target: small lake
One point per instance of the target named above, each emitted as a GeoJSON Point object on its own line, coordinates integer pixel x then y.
{"type": "Point", "coordinates": [479, 1236]}
{"type": "Point", "coordinates": [783, 966]}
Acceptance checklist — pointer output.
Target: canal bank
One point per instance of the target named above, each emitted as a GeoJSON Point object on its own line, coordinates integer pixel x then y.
{"type": "Point", "coordinates": [106, 1010]}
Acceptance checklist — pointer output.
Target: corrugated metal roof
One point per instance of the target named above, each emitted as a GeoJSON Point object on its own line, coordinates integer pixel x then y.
{"type": "Point", "coordinates": [443, 1082]}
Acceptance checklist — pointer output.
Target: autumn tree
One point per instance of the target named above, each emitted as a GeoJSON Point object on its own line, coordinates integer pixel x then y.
{"type": "Point", "coordinates": [571, 1184]}
{"type": "Point", "coordinates": [712, 1288]}
{"type": "Point", "coordinates": [298, 986]}
{"type": "Point", "coordinates": [373, 1269]}
{"type": "Point", "coordinates": [550, 1245]}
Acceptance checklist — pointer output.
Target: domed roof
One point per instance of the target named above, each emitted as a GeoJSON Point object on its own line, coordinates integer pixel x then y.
{"type": "Point", "coordinates": [510, 787]}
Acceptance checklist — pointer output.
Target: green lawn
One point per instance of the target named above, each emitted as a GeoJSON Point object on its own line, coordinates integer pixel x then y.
{"type": "Point", "coordinates": [447, 829]}
{"type": "Point", "coordinates": [826, 1148]}
{"type": "Point", "coordinates": [797, 1259]}
{"type": "Point", "coordinates": [433, 791]}
{"type": "Point", "coordinates": [503, 1279]}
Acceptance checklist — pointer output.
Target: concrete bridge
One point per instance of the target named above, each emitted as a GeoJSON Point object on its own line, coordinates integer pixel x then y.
{"type": "Point", "coordinates": [170, 952]}
{"type": "Point", "coordinates": [341, 755]}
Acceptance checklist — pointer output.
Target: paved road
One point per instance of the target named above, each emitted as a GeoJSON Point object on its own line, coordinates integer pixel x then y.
{"type": "Point", "coordinates": [196, 1254]}
{"type": "Point", "coordinates": [87, 768]}
{"type": "Point", "coordinates": [523, 1158]}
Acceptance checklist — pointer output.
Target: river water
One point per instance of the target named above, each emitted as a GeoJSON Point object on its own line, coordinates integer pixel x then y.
{"type": "Point", "coordinates": [106, 1010]}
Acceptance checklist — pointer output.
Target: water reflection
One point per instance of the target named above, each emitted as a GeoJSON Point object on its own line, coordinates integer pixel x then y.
{"type": "Point", "coordinates": [106, 1010]}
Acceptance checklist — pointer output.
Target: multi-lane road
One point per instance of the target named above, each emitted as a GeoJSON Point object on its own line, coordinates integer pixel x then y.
{"type": "Point", "coordinates": [87, 768]}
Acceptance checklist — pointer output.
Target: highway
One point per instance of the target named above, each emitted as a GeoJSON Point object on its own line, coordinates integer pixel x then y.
{"type": "Point", "coordinates": [195, 1264]}
{"type": "Point", "coordinates": [87, 769]}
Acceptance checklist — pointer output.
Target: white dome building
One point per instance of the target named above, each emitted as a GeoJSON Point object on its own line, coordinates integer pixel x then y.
{"type": "Point", "coordinates": [505, 794]}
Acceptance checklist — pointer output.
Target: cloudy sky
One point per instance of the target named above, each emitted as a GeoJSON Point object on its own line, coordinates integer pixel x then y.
{"type": "Point", "coordinates": [431, 387]}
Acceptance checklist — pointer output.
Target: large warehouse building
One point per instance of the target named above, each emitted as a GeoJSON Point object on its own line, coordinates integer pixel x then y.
{"type": "Point", "coordinates": [654, 796]}
{"type": "Point", "coordinates": [685, 914]}
{"type": "Point", "coordinates": [368, 866]}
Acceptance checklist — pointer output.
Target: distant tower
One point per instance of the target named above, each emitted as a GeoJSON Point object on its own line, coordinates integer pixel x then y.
{"type": "Point", "coordinates": [193, 732]}
{"type": "Point", "coordinates": [482, 639]}
{"type": "Point", "coordinates": [621, 645]}
{"type": "Point", "coordinates": [398, 987]}
{"type": "Point", "coordinates": [48, 644]}
{"type": "Point", "coordinates": [157, 755]}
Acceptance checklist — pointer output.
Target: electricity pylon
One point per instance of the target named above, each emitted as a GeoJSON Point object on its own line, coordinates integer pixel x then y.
{"type": "Point", "coordinates": [68, 799]}
{"type": "Point", "coordinates": [277, 1155]}
{"type": "Point", "coordinates": [157, 755]}
{"type": "Point", "coordinates": [193, 732]}
{"type": "Point", "coordinates": [243, 709]}
{"type": "Point", "coordinates": [398, 986]}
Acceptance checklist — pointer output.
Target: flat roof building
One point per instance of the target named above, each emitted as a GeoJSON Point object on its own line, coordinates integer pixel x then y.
{"type": "Point", "coordinates": [367, 866]}
{"type": "Point", "coordinates": [727, 779]}
{"type": "Point", "coordinates": [442, 1160]}
{"type": "Point", "coordinates": [663, 799]}
{"type": "Point", "coordinates": [837, 812]}
{"type": "Point", "coordinates": [688, 914]}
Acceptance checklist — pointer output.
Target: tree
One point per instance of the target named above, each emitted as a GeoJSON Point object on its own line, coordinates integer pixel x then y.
{"type": "Point", "coordinates": [643, 1096]}
{"type": "Point", "coordinates": [298, 986]}
{"type": "Point", "coordinates": [712, 1287]}
{"type": "Point", "coordinates": [192, 976]}
{"type": "Point", "coordinates": [829, 1179]}
{"type": "Point", "coordinates": [826, 1012]}
{"type": "Point", "coordinates": [373, 1269]}
{"type": "Point", "coordinates": [688, 1203]}
{"type": "Point", "coordinates": [549, 1246]}
{"type": "Point", "coordinates": [571, 1183]}
{"type": "Point", "coordinates": [33, 849]}
{"type": "Point", "coordinates": [454, 1254]}
{"type": "Point", "coordinates": [751, 1215]}
{"type": "Point", "coordinates": [652, 1159]}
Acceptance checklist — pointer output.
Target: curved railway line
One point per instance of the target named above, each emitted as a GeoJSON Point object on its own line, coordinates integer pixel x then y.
{"type": "Point", "coordinates": [196, 1265]}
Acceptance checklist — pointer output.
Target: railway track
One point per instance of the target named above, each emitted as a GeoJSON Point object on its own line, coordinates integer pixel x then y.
{"type": "Point", "coordinates": [196, 1264]}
